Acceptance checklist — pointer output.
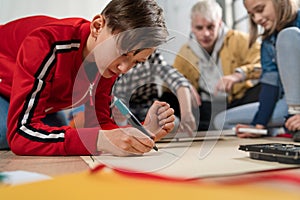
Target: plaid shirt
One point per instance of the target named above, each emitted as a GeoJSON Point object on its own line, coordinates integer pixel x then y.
{"type": "Point", "coordinates": [140, 85]}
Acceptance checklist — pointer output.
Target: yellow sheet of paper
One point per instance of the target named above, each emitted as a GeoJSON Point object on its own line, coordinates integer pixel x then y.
{"type": "Point", "coordinates": [110, 185]}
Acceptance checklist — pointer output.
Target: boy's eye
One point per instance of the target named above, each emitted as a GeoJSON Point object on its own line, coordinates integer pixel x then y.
{"type": "Point", "coordinates": [199, 28]}
{"type": "Point", "coordinates": [211, 27]}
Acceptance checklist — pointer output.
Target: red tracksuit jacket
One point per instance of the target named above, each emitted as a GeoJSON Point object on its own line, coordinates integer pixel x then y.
{"type": "Point", "coordinates": [40, 68]}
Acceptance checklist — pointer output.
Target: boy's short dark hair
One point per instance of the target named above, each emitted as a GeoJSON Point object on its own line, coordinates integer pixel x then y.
{"type": "Point", "coordinates": [142, 20]}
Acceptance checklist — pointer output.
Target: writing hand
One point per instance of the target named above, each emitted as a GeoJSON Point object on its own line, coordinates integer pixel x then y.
{"type": "Point", "coordinates": [124, 142]}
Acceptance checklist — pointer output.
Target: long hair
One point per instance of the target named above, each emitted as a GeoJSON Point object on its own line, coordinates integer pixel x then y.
{"type": "Point", "coordinates": [286, 12]}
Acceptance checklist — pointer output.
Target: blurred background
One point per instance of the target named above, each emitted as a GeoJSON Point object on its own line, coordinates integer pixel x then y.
{"type": "Point", "coordinates": [177, 14]}
{"type": "Point", "coordinates": [176, 11]}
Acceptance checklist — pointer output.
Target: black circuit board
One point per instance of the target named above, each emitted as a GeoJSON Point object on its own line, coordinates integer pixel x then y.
{"type": "Point", "coordinates": [276, 152]}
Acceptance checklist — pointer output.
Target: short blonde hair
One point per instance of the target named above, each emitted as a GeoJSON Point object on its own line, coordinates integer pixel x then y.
{"type": "Point", "coordinates": [209, 9]}
{"type": "Point", "coordinates": [286, 11]}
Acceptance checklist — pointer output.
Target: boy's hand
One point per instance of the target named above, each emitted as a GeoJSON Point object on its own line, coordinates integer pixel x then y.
{"type": "Point", "coordinates": [124, 142]}
{"type": "Point", "coordinates": [160, 119]}
{"type": "Point", "coordinates": [226, 83]}
{"type": "Point", "coordinates": [293, 123]}
{"type": "Point", "coordinates": [245, 134]}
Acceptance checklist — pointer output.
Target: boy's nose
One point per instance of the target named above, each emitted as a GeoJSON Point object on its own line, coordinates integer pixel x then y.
{"type": "Point", "coordinates": [125, 66]}
{"type": "Point", "coordinates": [206, 32]}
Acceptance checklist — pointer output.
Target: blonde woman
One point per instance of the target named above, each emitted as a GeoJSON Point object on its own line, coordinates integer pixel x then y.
{"type": "Point", "coordinates": [280, 58]}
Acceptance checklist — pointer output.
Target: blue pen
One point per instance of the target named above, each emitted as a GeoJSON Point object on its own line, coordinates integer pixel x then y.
{"type": "Point", "coordinates": [131, 118]}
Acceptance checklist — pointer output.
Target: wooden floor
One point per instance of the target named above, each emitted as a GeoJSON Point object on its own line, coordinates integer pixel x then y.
{"type": "Point", "coordinates": [48, 165]}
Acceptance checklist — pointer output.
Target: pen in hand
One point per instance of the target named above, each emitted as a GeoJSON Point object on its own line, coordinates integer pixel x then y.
{"type": "Point", "coordinates": [131, 118]}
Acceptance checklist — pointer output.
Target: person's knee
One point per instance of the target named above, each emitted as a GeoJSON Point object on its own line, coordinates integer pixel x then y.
{"type": "Point", "coordinates": [287, 37]}
{"type": "Point", "coordinates": [219, 121]}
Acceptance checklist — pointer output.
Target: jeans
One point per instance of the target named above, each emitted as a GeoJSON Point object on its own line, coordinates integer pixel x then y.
{"type": "Point", "coordinates": [244, 115]}
{"type": "Point", "coordinates": [288, 57]}
{"type": "Point", "coordinates": [3, 118]}
{"type": "Point", "coordinates": [53, 119]}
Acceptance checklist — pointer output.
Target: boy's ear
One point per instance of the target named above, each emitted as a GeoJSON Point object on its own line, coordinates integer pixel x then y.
{"type": "Point", "coordinates": [220, 22]}
{"type": "Point", "coordinates": [97, 24]}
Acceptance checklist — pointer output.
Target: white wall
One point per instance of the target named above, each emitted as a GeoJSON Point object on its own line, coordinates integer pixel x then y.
{"type": "Point", "coordinates": [240, 15]}
{"type": "Point", "coordinates": [177, 14]}
{"type": "Point", "coordinates": [12, 9]}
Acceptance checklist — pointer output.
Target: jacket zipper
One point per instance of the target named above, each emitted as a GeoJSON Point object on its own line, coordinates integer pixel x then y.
{"type": "Point", "coordinates": [91, 88]}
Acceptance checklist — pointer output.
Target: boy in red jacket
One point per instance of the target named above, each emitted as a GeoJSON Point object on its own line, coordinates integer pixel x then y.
{"type": "Point", "coordinates": [48, 65]}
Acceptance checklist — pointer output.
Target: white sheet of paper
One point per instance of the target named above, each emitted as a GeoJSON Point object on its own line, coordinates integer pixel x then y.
{"type": "Point", "coordinates": [197, 160]}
